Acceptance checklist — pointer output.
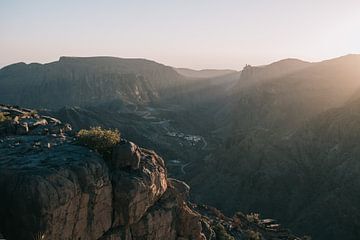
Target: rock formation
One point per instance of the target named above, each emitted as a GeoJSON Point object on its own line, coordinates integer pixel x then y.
{"type": "Point", "coordinates": [53, 188]}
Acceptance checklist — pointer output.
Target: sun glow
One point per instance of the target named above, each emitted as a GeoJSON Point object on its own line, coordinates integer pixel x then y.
{"type": "Point", "coordinates": [201, 34]}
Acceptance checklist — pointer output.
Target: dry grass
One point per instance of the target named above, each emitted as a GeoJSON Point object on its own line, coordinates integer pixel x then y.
{"type": "Point", "coordinates": [3, 117]}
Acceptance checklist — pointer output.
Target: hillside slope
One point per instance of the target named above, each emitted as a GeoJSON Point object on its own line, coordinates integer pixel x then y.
{"type": "Point", "coordinates": [236, 139]}
{"type": "Point", "coordinates": [75, 81]}
{"type": "Point", "coordinates": [256, 151]}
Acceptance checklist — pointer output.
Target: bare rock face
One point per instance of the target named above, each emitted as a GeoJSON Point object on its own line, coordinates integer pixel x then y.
{"type": "Point", "coordinates": [156, 224]}
{"type": "Point", "coordinates": [168, 219]}
{"type": "Point", "coordinates": [149, 205]}
{"type": "Point", "coordinates": [136, 190]}
{"type": "Point", "coordinates": [126, 154]}
{"type": "Point", "coordinates": [49, 185]}
{"type": "Point", "coordinates": [63, 191]}
{"type": "Point", "coordinates": [54, 188]}
{"type": "Point", "coordinates": [181, 187]}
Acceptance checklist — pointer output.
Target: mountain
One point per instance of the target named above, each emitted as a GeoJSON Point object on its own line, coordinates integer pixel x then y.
{"type": "Point", "coordinates": [265, 139]}
{"type": "Point", "coordinates": [274, 70]}
{"type": "Point", "coordinates": [324, 154]}
{"type": "Point", "coordinates": [204, 73]}
{"type": "Point", "coordinates": [56, 187]}
{"type": "Point", "coordinates": [256, 151]}
{"type": "Point", "coordinates": [79, 81]}
{"type": "Point", "coordinates": [282, 103]}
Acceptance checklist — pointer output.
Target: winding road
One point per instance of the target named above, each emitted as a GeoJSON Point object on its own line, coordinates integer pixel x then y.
{"type": "Point", "coordinates": [183, 167]}
{"type": "Point", "coordinates": [205, 143]}
{"type": "Point", "coordinates": [147, 114]}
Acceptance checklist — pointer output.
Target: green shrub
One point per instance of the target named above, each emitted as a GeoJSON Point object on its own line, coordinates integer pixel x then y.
{"type": "Point", "coordinates": [252, 235]}
{"type": "Point", "coordinates": [221, 233]}
{"type": "Point", "coordinates": [253, 217]}
{"type": "Point", "coordinates": [101, 140]}
{"type": "Point", "coordinates": [3, 117]}
{"type": "Point", "coordinates": [39, 236]}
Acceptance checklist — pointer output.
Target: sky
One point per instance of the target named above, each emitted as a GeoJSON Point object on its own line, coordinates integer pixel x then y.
{"type": "Point", "coordinates": [182, 33]}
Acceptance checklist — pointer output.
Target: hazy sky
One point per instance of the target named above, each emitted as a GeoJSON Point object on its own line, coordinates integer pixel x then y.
{"type": "Point", "coordinates": [183, 33]}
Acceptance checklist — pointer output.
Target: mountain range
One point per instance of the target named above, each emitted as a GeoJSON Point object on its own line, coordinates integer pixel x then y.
{"type": "Point", "coordinates": [279, 139]}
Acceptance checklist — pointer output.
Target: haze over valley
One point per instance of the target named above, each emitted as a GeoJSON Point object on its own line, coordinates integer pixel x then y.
{"type": "Point", "coordinates": [197, 138]}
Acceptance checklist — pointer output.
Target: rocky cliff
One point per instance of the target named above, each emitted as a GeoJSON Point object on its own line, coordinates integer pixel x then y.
{"type": "Point", "coordinates": [53, 188]}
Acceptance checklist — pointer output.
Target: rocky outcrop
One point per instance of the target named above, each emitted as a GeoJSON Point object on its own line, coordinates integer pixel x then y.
{"type": "Point", "coordinates": [56, 188]}
{"type": "Point", "coordinates": [49, 185]}
{"type": "Point", "coordinates": [53, 188]}
{"type": "Point", "coordinates": [136, 190]}
{"type": "Point", "coordinates": [126, 155]}
{"type": "Point", "coordinates": [16, 121]}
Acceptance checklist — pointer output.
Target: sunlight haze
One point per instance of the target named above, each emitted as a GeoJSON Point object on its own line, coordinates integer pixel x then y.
{"type": "Point", "coordinates": [193, 34]}
{"type": "Point", "coordinates": [180, 120]}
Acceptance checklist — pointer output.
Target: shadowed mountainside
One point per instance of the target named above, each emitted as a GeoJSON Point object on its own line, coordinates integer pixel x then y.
{"type": "Point", "coordinates": [280, 139]}
{"type": "Point", "coordinates": [55, 187]}
{"type": "Point", "coordinates": [256, 151]}
{"type": "Point", "coordinates": [75, 81]}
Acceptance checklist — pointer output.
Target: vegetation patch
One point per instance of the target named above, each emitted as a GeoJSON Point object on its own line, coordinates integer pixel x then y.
{"type": "Point", "coordinates": [221, 233]}
{"type": "Point", "coordinates": [98, 139]}
{"type": "Point", "coordinates": [253, 217]}
{"type": "Point", "coordinates": [4, 118]}
{"type": "Point", "coordinates": [252, 235]}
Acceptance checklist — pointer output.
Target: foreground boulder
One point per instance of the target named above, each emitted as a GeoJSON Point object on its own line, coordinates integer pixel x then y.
{"type": "Point", "coordinates": [126, 154]}
{"type": "Point", "coordinates": [53, 188]}
{"type": "Point", "coordinates": [136, 190]}
{"type": "Point", "coordinates": [56, 189]}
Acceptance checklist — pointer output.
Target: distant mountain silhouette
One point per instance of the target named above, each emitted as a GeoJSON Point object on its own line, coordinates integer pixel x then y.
{"type": "Point", "coordinates": [85, 80]}
{"type": "Point", "coordinates": [255, 74]}
{"type": "Point", "coordinates": [279, 139]}
{"type": "Point", "coordinates": [287, 134]}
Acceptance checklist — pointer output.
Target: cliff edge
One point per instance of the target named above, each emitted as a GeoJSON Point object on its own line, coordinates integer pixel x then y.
{"type": "Point", "coordinates": [52, 187]}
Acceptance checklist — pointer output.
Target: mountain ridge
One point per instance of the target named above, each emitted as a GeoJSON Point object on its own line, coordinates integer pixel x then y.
{"type": "Point", "coordinates": [243, 134]}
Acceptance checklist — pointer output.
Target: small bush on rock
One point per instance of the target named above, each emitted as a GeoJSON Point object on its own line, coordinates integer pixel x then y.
{"type": "Point", "coordinates": [101, 140]}
{"type": "Point", "coordinates": [252, 235]}
{"type": "Point", "coordinates": [253, 217]}
{"type": "Point", "coordinates": [221, 233]}
{"type": "Point", "coordinates": [3, 117]}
